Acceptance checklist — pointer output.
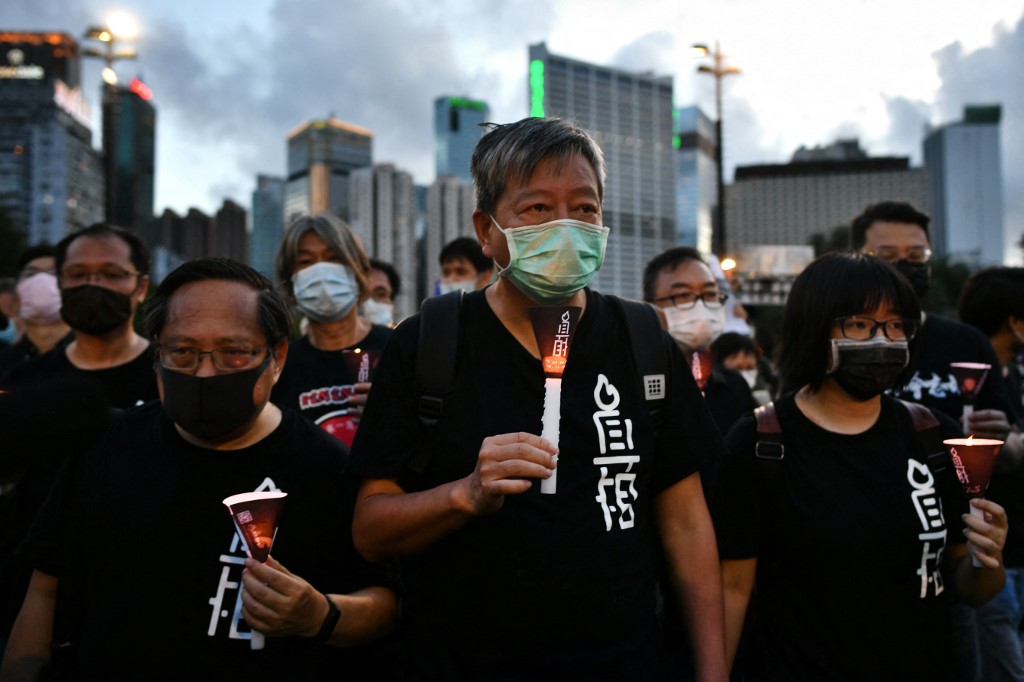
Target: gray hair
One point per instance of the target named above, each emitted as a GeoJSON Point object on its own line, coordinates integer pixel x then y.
{"type": "Point", "coordinates": [510, 152]}
{"type": "Point", "coordinates": [337, 234]}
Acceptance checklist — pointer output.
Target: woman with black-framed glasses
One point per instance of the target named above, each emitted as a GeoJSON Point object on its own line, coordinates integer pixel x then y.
{"type": "Point", "coordinates": [841, 510]}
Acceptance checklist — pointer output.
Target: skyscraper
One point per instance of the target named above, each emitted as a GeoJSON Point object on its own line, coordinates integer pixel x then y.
{"type": "Point", "coordinates": [383, 213]}
{"type": "Point", "coordinates": [696, 188]}
{"type": "Point", "coordinates": [267, 223]}
{"type": "Point", "coordinates": [456, 131]}
{"type": "Point", "coordinates": [450, 204]}
{"type": "Point", "coordinates": [129, 147]}
{"type": "Point", "coordinates": [630, 115]}
{"type": "Point", "coordinates": [51, 178]}
{"type": "Point", "coordinates": [965, 164]}
{"type": "Point", "coordinates": [321, 154]}
{"type": "Point", "coordinates": [230, 237]}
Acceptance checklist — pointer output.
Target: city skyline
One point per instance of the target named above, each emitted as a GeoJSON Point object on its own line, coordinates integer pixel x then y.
{"type": "Point", "coordinates": [231, 80]}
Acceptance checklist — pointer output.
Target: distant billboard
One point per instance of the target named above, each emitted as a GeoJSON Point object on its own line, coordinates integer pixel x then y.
{"type": "Point", "coordinates": [39, 56]}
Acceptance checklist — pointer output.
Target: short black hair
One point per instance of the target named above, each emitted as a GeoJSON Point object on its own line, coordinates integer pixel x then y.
{"type": "Point", "coordinates": [468, 248]}
{"type": "Point", "coordinates": [669, 259]}
{"type": "Point", "coordinates": [731, 343]}
{"type": "Point", "coordinates": [836, 285]}
{"type": "Point", "coordinates": [138, 248]}
{"type": "Point", "coordinates": [887, 211]}
{"type": "Point", "coordinates": [389, 271]}
{"type": "Point", "coordinates": [42, 250]}
{"type": "Point", "coordinates": [274, 318]}
{"type": "Point", "coordinates": [990, 297]}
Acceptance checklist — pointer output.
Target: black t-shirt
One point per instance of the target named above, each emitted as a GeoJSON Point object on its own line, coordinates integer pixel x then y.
{"type": "Point", "coordinates": [549, 584]}
{"type": "Point", "coordinates": [127, 385]}
{"type": "Point", "coordinates": [318, 383]}
{"type": "Point", "coordinates": [849, 542]}
{"type": "Point", "coordinates": [149, 564]}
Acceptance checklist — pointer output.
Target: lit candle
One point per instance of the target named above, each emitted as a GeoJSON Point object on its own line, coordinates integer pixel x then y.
{"type": "Point", "coordinates": [974, 460]}
{"type": "Point", "coordinates": [554, 327]}
{"type": "Point", "coordinates": [970, 376]}
{"type": "Point", "coordinates": [255, 516]}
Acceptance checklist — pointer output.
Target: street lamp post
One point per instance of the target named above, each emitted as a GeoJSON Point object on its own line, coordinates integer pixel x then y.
{"type": "Point", "coordinates": [117, 27]}
{"type": "Point", "coordinates": [719, 70]}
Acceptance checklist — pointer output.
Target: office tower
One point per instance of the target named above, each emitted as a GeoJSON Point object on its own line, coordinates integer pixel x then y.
{"type": "Point", "coordinates": [321, 154]}
{"type": "Point", "coordinates": [129, 147]}
{"type": "Point", "coordinates": [696, 187]}
{"type": "Point", "coordinates": [456, 131]}
{"type": "Point", "coordinates": [51, 178]}
{"type": "Point", "coordinates": [788, 204]}
{"type": "Point", "coordinates": [630, 116]}
{"type": "Point", "coordinates": [230, 237]}
{"type": "Point", "coordinates": [450, 204]}
{"type": "Point", "coordinates": [267, 223]}
{"type": "Point", "coordinates": [383, 214]}
{"type": "Point", "coordinates": [965, 164]}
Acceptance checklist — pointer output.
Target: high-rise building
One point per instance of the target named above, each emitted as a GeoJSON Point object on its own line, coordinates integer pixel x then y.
{"type": "Point", "coordinates": [788, 204]}
{"type": "Point", "coordinates": [383, 213]}
{"type": "Point", "coordinates": [129, 147]}
{"type": "Point", "coordinates": [696, 178]}
{"type": "Point", "coordinates": [267, 222]}
{"type": "Point", "coordinates": [450, 204]}
{"type": "Point", "coordinates": [230, 237]}
{"type": "Point", "coordinates": [321, 154]}
{"type": "Point", "coordinates": [456, 131]}
{"type": "Point", "coordinates": [630, 116]}
{"type": "Point", "coordinates": [51, 178]}
{"type": "Point", "coordinates": [197, 235]}
{"type": "Point", "coordinates": [965, 164]}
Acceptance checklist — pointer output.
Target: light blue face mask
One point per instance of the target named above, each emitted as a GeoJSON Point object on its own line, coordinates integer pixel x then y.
{"type": "Point", "coordinates": [552, 261]}
{"type": "Point", "coordinates": [325, 292]}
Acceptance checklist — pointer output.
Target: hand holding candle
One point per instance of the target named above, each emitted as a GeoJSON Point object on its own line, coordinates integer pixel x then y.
{"type": "Point", "coordinates": [256, 516]}
{"type": "Point", "coordinates": [554, 327]}
{"type": "Point", "coordinates": [974, 460]}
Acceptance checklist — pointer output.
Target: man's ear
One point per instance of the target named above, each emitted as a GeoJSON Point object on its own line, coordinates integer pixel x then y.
{"type": "Point", "coordinates": [482, 225]}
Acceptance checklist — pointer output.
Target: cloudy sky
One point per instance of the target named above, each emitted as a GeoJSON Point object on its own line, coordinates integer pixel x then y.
{"type": "Point", "coordinates": [232, 77]}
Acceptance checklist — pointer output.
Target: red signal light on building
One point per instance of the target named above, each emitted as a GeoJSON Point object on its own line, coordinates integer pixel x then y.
{"type": "Point", "coordinates": [140, 89]}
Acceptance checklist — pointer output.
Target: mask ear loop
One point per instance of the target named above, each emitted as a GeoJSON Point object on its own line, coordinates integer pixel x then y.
{"type": "Point", "coordinates": [510, 243]}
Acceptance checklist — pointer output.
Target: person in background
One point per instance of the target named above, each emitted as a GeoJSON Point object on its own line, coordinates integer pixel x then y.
{"type": "Point", "coordinates": [993, 301]}
{"type": "Point", "coordinates": [741, 353]}
{"type": "Point", "coordinates": [8, 311]}
{"type": "Point", "coordinates": [385, 285]}
{"type": "Point", "coordinates": [39, 308]}
{"type": "Point", "coordinates": [464, 266]}
{"type": "Point", "coordinates": [855, 531]}
{"type": "Point", "coordinates": [322, 269]}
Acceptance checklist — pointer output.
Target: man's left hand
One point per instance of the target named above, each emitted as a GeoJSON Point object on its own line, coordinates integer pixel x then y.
{"type": "Point", "coordinates": [279, 603]}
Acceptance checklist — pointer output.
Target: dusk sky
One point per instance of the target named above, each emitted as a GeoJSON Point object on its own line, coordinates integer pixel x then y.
{"type": "Point", "coordinates": [231, 78]}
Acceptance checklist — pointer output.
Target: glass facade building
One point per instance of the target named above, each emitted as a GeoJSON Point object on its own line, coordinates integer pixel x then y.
{"type": "Point", "coordinates": [321, 154]}
{"type": "Point", "coordinates": [456, 131]}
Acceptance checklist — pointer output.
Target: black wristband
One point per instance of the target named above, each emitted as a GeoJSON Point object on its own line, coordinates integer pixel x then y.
{"type": "Point", "coordinates": [331, 620]}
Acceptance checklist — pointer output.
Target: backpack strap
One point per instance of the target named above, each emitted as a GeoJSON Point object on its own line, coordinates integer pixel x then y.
{"type": "Point", "coordinates": [436, 354]}
{"type": "Point", "coordinates": [929, 435]}
{"type": "Point", "coordinates": [643, 329]}
{"type": "Point", "coordinates": [769, 434]}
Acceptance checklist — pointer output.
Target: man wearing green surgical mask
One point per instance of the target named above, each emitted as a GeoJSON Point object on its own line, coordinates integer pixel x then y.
{"type": "Point", "coordinates": [512, 583]}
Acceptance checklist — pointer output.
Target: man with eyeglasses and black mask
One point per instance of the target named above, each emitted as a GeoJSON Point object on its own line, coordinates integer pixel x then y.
{"type": "Point", "coordinates": [897, 233]}
{"type": "Point", "coordinates": [102, 273]}
{"type": "Point", "coordinates": [514, 583]}
{"type": "Point", "coordinates": [139, 572]}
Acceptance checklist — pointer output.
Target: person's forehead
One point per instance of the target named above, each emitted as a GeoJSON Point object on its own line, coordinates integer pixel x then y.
{"type": "Point", "coordinates": [690, 275]}
{"type": "Point", "coordinates": [573, 174]}
{"type": "Point", "coordinates": [885, 233]}
{"type": "Point", "coordinates": [213, 310]}
{"type": "Point", "coordinates": [458, 263]}
{"type": "Point", "coordinates": [99, 249]}
{"type": "Point", "coordinates": [41, 263]}
{"type": "Point", "coordinates": [378, 278]}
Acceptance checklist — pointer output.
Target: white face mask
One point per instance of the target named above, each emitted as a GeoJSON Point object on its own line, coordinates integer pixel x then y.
{"type": "Point", "coordinates": [376, 312]}
{"type": "Point", "coordinates": [455, 285]}
{"type": "Point", "coordinates": [325, 292]}
{"type": "Point", "coordinates": [696, 327]}
{"type": "Point", "coordinates": [750, 376]}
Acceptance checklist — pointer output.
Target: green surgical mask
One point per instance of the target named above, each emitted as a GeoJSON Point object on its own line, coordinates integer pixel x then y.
{"type": "Point", "coordinates": [552, 261]}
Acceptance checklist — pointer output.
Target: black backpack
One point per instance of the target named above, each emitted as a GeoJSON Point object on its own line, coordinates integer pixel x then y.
{"type": "Point", "coordinates": [437, 354]}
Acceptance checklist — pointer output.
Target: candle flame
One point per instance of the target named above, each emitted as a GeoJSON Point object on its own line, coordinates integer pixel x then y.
{"type": "Point", "coordinates": [969, 439]}
{"type": "Point", "coordinates": [554, 363]}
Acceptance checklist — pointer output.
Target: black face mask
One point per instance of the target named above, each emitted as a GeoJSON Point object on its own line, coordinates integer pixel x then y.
{"type": "Point", "coordinates": [865, 369]}
{"type": "Point", "coordinates": [917, 274]}
{"type": "Point", "coordinates": [94, 310]}
{"type": "Point", "coordinates": [212, 407]}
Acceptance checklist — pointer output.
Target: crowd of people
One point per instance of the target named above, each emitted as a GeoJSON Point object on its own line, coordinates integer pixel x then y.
{"type": "Point", "coordinates": [716, 512]}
